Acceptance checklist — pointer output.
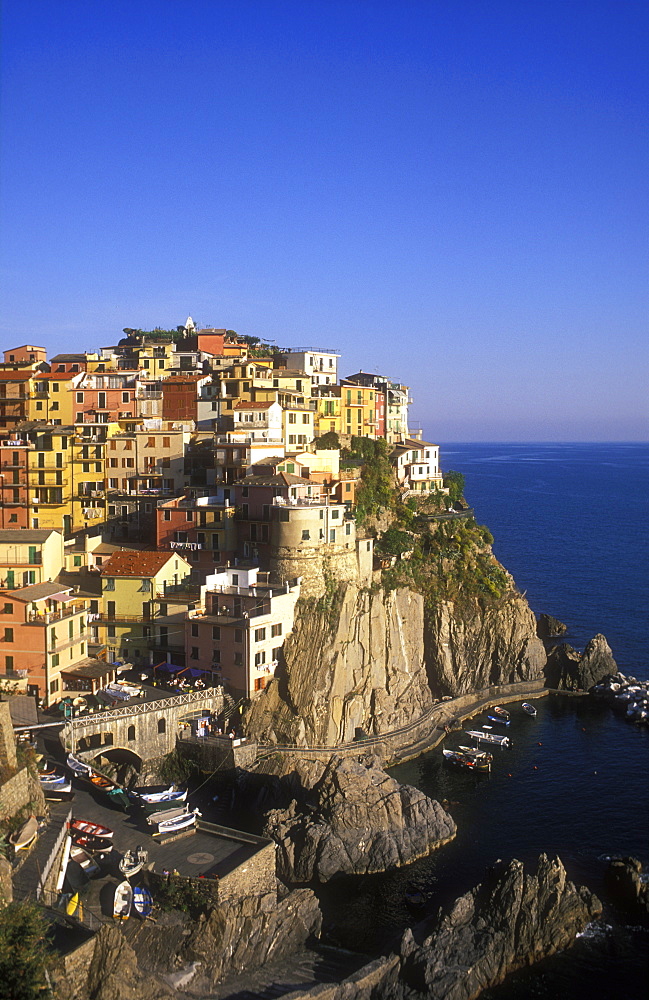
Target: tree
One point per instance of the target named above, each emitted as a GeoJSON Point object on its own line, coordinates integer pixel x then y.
{"type": "Point", "coordinates": [328, 442]}
{"type": "Point", "coordinates": [454, 482]}
{"type": "Point", "coordinates": [23, 952]}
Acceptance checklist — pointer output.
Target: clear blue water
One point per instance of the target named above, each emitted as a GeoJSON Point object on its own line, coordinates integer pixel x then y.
{"type": "Point", "coordinates": [570, 523]}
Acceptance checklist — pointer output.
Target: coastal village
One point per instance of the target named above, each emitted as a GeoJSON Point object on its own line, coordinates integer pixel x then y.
{"type": "Point", "coordinates": [166, 501]}
{"type": "Point", "coordinates": [220, 571]}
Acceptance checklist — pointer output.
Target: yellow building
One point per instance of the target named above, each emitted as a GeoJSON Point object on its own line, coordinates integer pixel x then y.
{"type": "Point", "coordinates": [328, 410]}
{"type": "Point", "coordinates": [357, 410]}
{"type": "Point", "coordinates": [52, 397]}
{"type": "Point", "coordinates": [29, 556]}
{"type": "Point", "coordinates": [297, 426]}
{"type": "Point", "coordinates": [133, 585]}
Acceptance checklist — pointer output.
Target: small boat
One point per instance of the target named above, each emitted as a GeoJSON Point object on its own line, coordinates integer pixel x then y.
{"type": "Point", "coordinates": [78, 766]}
{"type": "Point", "coordinates": [414, 898]}
{"type": "Point", "coordinates": [156, 796]}
{"type": "Point", "coordinates": [52, 780]}
{"type": "Point", "coordinates": [502, 715]}
{"type": "Point", "coordinates": [54, 791]}
{"type": "Point", "coordinates": [528, 708]}
{"type": "Point", "coordinates": [85, 828]}
{"type": "Point", "coordinates": [84, 859]}
{"type": "Point", "coordinates": [142, 901]}
{"type": "Point", "coordinates": [170, 799]}
{"type": "Point", "coordinates": [478, 753]}
{"type": "Point", "coordinates": [496, 718]}
{"type": "Point", "coordinates": [472, 762]}
{"type": "Point", "coordinates": [181, 822]}
{"type": "Point", "coordinates": [25, 835]}
{"type": "Point", "coordinates": [123, 900]}
{"type": "Point", "coordinates": [92, 845]}
{"type": "Point", "coordinates": [166, 814]}
{"type": "Point", "coordinates": [482, 737]}
{"type": "Point", "coordinates": [72, 904]}
{"type": "Point", "coordinates": [133, 861]}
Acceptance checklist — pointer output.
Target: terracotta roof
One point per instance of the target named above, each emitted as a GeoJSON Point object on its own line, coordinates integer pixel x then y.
{"type": "Point", "coordinates": [18, 376]}
{"type": "Point", "coordinates": [132, 563]}
{"type": "Point", "coordinates": [57, 376]}
{"type": "Point", "coordinates": [189, 377]}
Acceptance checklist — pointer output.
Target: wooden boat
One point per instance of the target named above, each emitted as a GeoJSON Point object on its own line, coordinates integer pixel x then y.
{"type": "Point", "coordinates": [181, 822]}
{"type": "Point", "coordinates": [72, 904]}
{"type": "Point", "coordinates": [471, 762]}
{"type": "Point", "coordinates": [156, 796]}
{"type": "Point", "coordinates": [57, 791]}
{"type": "Point", "coordinates": [78, 766]}
{"type": "Point", "coordinates": [496, 718]}
{"type": "Point", "coordinates": [414, 898]}
{"type": "Point", "coordinates": [25, 835]}
{"type": "Point", "coordinates": [167, 814]}
{"type": "Point", "coordinates": [171, 799]}
{"type": "Point", "coordinates": [92, 845]}
{"type": "Point", "coordinates": [123, 900]}
{"type": "Point", "coordinates": [142, 901]}
{"type": "Point", "coordinates": [84, 859]}
{"type": "Point", "coordinates": [478, 753]}
{"type": "Point", "coordinates": [85, 828]}
{"type": "Point", "coordinates": [501, 713]}
{"type": "Point", "coordinates": [528, 708]}
{"type": "Point", "coordinates": [483, 737]}
{"type": "Point", "coordinates": [103, 784]}
{"type": "Point", "coordinates": [133, 861]}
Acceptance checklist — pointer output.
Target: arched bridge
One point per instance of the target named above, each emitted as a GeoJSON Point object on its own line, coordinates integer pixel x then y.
{"type": "Point", "coordinates": [148, 729]}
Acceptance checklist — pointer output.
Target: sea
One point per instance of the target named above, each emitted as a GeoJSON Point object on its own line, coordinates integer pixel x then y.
{"type": "Point", "coordinates": [570, 523]}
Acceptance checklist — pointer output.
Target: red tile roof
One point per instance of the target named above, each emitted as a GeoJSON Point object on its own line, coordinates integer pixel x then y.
{"type": "Point", "coordinates": [131, 563]}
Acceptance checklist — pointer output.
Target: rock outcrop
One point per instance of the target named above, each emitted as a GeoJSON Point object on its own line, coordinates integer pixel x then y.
{"type": "Point", "coordinates": [628, 889]}
{"type": "Point", "coordinates": [354, 819]}
{"type": "Point", "coordinates": [355, 662]}
{"type": "Point", "coordinates": [474, 645]}
{"type": "Point", "coordinates": [548, 627]}
{"type": "Point", "coordinates": [568, 670]}
{"type": "Point", "coordinates": [509, 921]}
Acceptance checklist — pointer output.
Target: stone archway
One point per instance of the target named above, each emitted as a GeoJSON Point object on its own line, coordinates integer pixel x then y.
{"type": "Point", "coordinates": [121, 763]}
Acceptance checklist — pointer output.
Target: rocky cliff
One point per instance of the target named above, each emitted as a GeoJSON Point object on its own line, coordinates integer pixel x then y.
{"type": "Point", "coordinates": [569, 670]}
{"type": "Point", "coordinates": [375, 661]}
{"type": "Point", "coordinates": [352, 818]}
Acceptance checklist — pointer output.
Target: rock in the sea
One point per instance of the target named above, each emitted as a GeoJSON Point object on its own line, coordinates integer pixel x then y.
{"type": "Point", "coordinates": [629, 892]}
{"type": "Point", "coordinates": [568, 670]}
{"type": "Point", "coordinates": [548, 627]}
{"type": "Point", "coordinates": [510, 921]}
{"type": "Point", "coordinates": [358, 820]}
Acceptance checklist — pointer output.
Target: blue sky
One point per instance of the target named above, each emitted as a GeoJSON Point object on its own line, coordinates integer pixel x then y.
{"type": "Point", "coordinates": [452, 192]}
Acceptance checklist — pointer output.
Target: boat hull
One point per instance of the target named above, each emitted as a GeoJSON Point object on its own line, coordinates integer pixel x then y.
{"type": "Point", "coordinates": [123, 901]}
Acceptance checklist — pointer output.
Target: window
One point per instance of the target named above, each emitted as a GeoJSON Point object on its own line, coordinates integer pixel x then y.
{"type": "Point", "coordinates": [238, 660]}
{"type": "Point", "coordinates": [260, 658]}
{"type": "Point", "coordinates": [305, 535]}
{"type": "Point", "coordinates": [216, 656]}
{"type": "Point", "coordinates": [194, 630]}
{"type": "Point", "coordinates": [9, 664]}
{"type": "Point", "coordinates": [130, 733]}
{"type": "Point", "coordinates": [194, 653]}
{"type": "Point", "coordinates": [332, 535]}
{"type": "Point", "coordinates": [305, 418]}
{"type": "Point", "coordinates": [125, 397]}
{"type": "Point", "coordinates": [260, 634]}
{"type": "Point", "coordinates": [166, 515]}
{"type": "Point", "coordinates": [276, 630]}
{"type": "Point", "coordinates": [55, 660]}
{"type": "Point", "coordinates": [8, 609]}
{"type": "Point", "coordinates": [109, 583]}
{"type": "Point", "coordinates": [238, 635]}
{"type": "Point", "coordinates": [348, 529]}
{"type": "Point", "coordinates": [162, 726]}
{"type": "Point", "coordinates": [189, 515]}
{"type": "Point", "coordinates": [216, 632]}
{"type": "Point", "coordinates": [166, 442]}
{"type": "Point", "coordinates": [276, 651]}
{"type": "Point", "coordinates": [9, 635]}
{"type": "Point", "coordinates": [291, 418]}
{"type": "Point", "coordinates": [335, 513]}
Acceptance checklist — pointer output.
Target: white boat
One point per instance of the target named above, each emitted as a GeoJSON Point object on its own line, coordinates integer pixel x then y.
{"type": "Point", "coordinates": [60, 788]}
{"type": "Point", "coordinates": [142, 901]}
{"type": "Point", "coordinates": [528, 708]}
{"type": "Point", "coordinates": [86, 861]}
{"type": "Point", "coordinates": [25, 835]}
{"type": "Point", "coordinates": [133, 861]}
{"type": "Point", "coordinates": [172, 799]}
{"type": "Point", "coordinates": [482, 737]}
{"type": "Point", "coordinates": [77, 765]}
{"type": "Point", "coordinates": [166, 814]}
{"type": "Point", "coordinates": [52, 780]}
{"type": "Point", "coordinates": [179, 823]}
{"type": "Point", "coordinates": [123, 900]}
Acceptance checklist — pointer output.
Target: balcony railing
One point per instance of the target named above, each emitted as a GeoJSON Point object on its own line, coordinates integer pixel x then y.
{"type": "Point", "coordinates": [47, 617]}
{"type": "Point", "coordinates": [20, 559]}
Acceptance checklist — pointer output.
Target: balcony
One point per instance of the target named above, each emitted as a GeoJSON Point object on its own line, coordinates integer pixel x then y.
{"type": "Point", "coordinates": [20, 559]}
{"type": "Point", "coordinates": [48, 617]}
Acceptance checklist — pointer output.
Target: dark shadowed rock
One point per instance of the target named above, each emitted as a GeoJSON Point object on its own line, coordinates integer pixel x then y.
{"type": "Point", "coordinates": [548, 627]}
{"type": "Point", "coordinates": [510, 921]}
{"type": "Point", "coordinates": [360, 820]}
{"type": "Point", "coordinates": [568, 670]}
{"type": "Point", "coordinates": [627, 889]}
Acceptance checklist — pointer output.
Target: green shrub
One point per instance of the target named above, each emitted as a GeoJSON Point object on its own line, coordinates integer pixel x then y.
{"type": "Point", "coordinates": [23, 952]}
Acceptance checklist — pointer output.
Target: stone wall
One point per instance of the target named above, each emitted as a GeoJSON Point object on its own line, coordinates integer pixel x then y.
{"type": "Point", "coordinates": [15, 794]}
{"type": "Point", "coordinates": [7, 741]}
{"type": "Point", "coordinates": [6, 887]}
{"type": "Point", "coordinates": [212, 753]}
{"type": "Point", "coordinates": [313, 564]}
{"type": "Point", "coordinates": [252, 878]}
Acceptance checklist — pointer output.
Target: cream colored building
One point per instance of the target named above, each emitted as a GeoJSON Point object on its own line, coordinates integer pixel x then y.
{"type": "Point", "coordinates": [29, 556]}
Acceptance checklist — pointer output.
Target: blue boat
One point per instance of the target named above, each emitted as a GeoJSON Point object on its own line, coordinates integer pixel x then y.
{"type": "Point", "coordinates": [142, 901]}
